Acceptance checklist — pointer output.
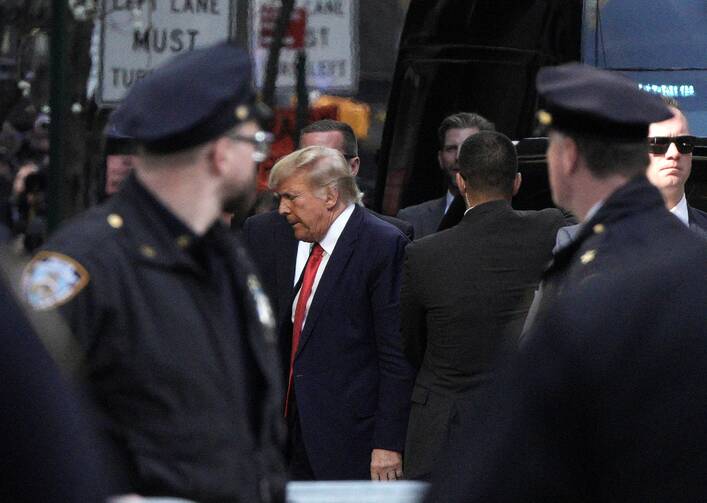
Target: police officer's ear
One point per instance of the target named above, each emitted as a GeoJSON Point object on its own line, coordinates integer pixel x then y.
{"type": "Point", "coordinates": [570, 153]}
{"type": "Point", "coordinates": [567, 153]}
{"type": "Point", "coordinates": [219, 154]}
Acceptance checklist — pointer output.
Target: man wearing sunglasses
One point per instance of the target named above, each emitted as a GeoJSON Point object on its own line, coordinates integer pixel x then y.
{"type": "Point", "coordinates": [177, 335]}
{"type": "Point", "coordinates": [671, 162]}
{"type": "Point", "coordinates": [671, 149]}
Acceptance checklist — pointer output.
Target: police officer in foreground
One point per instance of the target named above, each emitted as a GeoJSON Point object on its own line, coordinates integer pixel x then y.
{"type": "Point", "coordinates": [607, 398]}
{"type": "Point", "coordinates": [177, 333]}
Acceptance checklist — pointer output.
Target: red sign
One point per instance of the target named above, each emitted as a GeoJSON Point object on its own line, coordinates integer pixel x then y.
{"type": "Point", "coordinates": [295, 34]}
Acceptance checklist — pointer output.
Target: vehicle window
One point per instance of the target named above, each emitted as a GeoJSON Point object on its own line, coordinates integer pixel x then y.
{"type": "Point", "coordinates": [661, 44]}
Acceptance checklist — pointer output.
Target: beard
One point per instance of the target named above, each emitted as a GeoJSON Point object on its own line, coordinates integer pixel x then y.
{"type": "Point", "coordinates": [240, 200]}
{"type": "Point", "coordinates": [240, 204]}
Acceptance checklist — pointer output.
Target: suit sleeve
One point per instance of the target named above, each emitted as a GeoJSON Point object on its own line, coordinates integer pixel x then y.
{"type": "Point", "coordinates": [413, 321]}
{"type": "Point", "coordinates": [395, 373]}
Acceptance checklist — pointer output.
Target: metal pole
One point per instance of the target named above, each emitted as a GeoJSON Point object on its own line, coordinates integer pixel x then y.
{"type": "Point", "coordinates": [271, 68]}
{"type": "Point", "coordinates": [58, 105]}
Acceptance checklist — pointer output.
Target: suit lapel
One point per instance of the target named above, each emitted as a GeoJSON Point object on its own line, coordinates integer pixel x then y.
{"type": "Point", "coordinates": [695, 224]}
{"type": "Point", "coordinates": [334, 269]}
{"type": "Point", "coordinates": [435, 213]}
{"type": "Point", "coordinates": [287, 256]}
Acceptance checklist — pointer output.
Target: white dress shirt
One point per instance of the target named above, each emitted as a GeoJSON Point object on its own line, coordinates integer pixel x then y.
{"type": "Point", "coordinates": [328, 243]}
{"type": "Point", "coordinates": [680, 211]}
{"type": "Point", "coordinates": [448, 202]}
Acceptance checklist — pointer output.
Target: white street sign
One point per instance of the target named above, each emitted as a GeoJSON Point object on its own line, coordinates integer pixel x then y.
{"type": "Point", "coordinates": [331, 44]}
{"type": "Point", "coordinates": [139, 35]}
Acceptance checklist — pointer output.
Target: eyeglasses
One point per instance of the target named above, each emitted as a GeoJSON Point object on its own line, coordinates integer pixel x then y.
{"type": "Point", "coordinates": [659, 145]}
{"type": "Point", "coordinates": [261, 140]}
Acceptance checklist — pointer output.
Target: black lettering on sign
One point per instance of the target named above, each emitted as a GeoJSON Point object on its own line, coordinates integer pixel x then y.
{"type": "Point", "coordinates": [317, 37]}
{"type": "Point", "coordinates": [286, 68]}
{"type": "Point", "coordinates": [123, 78]}
{"type": "Point", "coordinates": [195, 6]}
{"type": "Point", "coordinates": [327, 7]}
{"type": "Point", "coordinates": [160, 40]}
{"type": "Point", "coordinates": [327, 68]}
{"type": "Point", "coordinates": [131, 4]}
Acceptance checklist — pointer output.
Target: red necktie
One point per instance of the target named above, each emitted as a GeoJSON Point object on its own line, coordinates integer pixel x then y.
{"type": "Point", "coordinates": [310, 272]}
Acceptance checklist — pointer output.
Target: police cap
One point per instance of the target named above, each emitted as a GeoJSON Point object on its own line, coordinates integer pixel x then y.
{"type": "Point", "coordinates": [585, 100]}
{"type": "Point", "coordinates": [192, 99]}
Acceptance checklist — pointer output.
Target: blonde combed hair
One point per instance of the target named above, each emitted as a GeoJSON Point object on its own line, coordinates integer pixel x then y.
{"type": "Point", "coordinates": [324, 166]}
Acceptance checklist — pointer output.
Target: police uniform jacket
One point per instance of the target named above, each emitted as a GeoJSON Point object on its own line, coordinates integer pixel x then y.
{"type": "Point", "coordinates": [184, 376]}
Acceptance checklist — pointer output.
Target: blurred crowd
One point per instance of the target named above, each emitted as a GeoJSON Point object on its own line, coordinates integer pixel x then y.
{"type": "Point", "coordinates": [24, 160]}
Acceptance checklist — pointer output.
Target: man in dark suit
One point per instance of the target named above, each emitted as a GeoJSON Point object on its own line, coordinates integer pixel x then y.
{"type": "Point", "coordinates": [466, 292]}
{"type": "Point", "coordinates": [671, 163]}
{"type": "Point", "coordinates": [340, 136]}
{"type": "Point", "coordinates": [607, 396]}
{"type": "Point", "coordinates": [427, 217]}
{"type": "Point", "coordinates": [349, 384]}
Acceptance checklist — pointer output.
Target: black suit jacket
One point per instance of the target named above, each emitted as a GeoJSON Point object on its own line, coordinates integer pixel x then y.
{"type": "Point", "coordinates": [465, 295]}
{"type": "Point", "coordinates": [607, 397]}
{"type": "Point", "coordinates": [698, 221]}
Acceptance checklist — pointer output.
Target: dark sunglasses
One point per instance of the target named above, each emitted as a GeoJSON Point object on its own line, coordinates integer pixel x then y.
{"type": "Point", "coordinates": [660, 144]}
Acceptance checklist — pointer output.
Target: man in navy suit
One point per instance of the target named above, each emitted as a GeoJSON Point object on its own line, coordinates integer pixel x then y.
{"type": "Point", "coordinates": [349, 385]}
{"type": "Point", "coordinates": [340, 136]}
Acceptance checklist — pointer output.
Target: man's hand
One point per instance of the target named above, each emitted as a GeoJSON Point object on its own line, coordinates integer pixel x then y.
{"type": "Point", "coordinates": [386, 465]}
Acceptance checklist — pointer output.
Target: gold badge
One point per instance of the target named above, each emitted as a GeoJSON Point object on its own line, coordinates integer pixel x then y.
{"type": "Point", "coordinates": [115, 220]}
{"type": "Point", "coordinates": [544, 117]}
{"type": "Point", "coordinates": [183, 241]}
{"type": "Point", "coordinates": [148, 251]}
{"type": "Point", "coordinates": [241, 112]}
{"type": "Point", "coordinates": [588, 256]}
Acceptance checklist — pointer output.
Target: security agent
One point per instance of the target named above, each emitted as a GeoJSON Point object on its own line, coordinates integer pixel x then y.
{"type": "Point", "coordinates": [607, 397]}
{"type": "Point", "coordinates": [177, 333]}
{"type": "Point", "coordinates": [671, 148]}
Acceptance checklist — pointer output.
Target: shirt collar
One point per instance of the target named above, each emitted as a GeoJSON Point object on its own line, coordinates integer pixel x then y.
{"type": "Point", "coordinates": [337, 227]}
{"type": "Point", "coordinates": [680, 211]}
{"type": "Point", "coordinates": [448, 201]}
{"type": "Point", "coordinates": [593, 210]}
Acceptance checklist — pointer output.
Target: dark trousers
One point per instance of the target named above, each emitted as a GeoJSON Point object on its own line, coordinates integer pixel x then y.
{"type": "Point", "coordinates": [299, 466]}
